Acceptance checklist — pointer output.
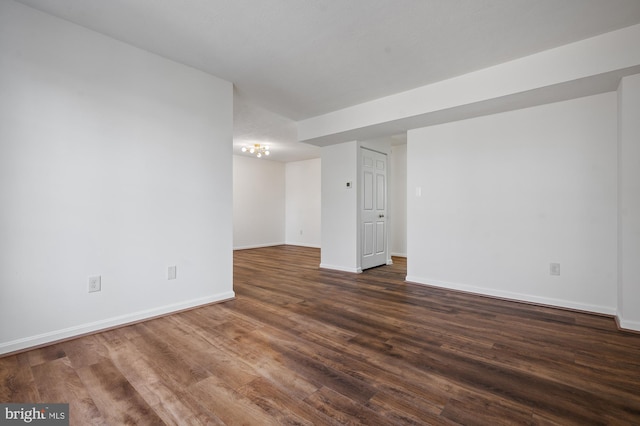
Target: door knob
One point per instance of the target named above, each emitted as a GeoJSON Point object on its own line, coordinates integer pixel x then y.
{"type": "Point", "coordinates": [380, 215]}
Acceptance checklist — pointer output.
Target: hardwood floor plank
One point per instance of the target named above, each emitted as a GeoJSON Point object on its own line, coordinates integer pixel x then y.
{"type": "Point", "coordinates": [283, 407]}
{"type": "Point", "coordinates": [497, 380]}
{"type": "Point", "coordinates": [116, 398]}
{"type": "Point", "coordinates": [157, 389]}
{"type": "Point", "coordinates": [486, 411]}
{"type": "Point", "coordinates": [342, 409]}
{"type": "Point", "coordinates": [315, 370]}
{"type": "Point", "coordinates": [17, 382]}
{"type": "Point", "coordinates": [178, 407]}
{"type": "Point", "coordinates": [399, 406]}
{"type": "Point", "coordinates": [84, 352]}
{"type": "Point", "coordinates": [45, 354]}
{"type": "Point", "coordinates": [218, 362]}
{"type": "Point", "coordinates": [172, 360]}
{"type": "Point", "coordinates": [302, 345]}
{"type": "Point", "coordinates": [266, 358]}
{"type": "Point", "coordinates": [229, 406]}
{"type": "Point", "coordinates": [58, 382]}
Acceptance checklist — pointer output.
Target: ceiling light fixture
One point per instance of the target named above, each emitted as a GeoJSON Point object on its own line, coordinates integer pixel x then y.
{"type": "Point", "coordinates": [257, 149]}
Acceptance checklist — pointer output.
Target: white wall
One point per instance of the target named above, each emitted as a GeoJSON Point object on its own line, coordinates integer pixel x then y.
{"type": "Point", "coordinates": [303, 206]}
{"type": "Point", "coordinates": [339, 207]}
{"type": "Point", "coordinates": [503, 196]}
{"type": "Point", "coordinates": [258, 202]}
{"type": "Point", "coordinates": [398, 200]}
{"type": "Point", "coordinates": [113, 162]}
{"type": "Point", "coordinates": [629, 207]}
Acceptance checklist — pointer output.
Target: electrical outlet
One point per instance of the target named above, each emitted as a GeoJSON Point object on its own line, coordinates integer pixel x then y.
{"type": "Point", "coordinates": [172, 273]}
{"type": "Point", "coordinates": [554, 269]}
{"type": "Point", "coordinates": [95, 284]}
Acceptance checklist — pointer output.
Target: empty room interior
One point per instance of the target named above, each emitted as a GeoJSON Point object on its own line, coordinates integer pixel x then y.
{"type": "Point", "coordinates": [321, 212]}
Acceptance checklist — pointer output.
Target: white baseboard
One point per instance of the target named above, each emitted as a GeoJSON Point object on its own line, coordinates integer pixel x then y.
{"type": "Point", "coordinates": [399, 254]}
{"type": "Point", "coordinates": [626, 324]}
{"type": "Point", "coordinates": [304, 245]}
{"type": "Point", "coordinates": [341, 268]}
{"type": "Point", "coordinates": [254, 246]}
{"type": "Point", "coordinates": [517, 297]}
{"type": "Point", "coordinates": [82, 329]}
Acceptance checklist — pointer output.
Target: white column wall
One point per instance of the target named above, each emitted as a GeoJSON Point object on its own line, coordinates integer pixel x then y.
{"type": "Point", "coordinates": [339, 207]}
{"type": "Point", "coordinates": [629, 207]}
{"type": "Point", "coordinates": [398, 201]}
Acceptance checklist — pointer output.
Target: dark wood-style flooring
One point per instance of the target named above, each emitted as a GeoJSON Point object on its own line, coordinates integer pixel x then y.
{"type": "Point", "coordinates": [301, 345]}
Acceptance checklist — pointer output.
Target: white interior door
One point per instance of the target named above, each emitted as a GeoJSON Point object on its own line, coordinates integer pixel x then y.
{"type": "Point", "coordinates": [374, 208]}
